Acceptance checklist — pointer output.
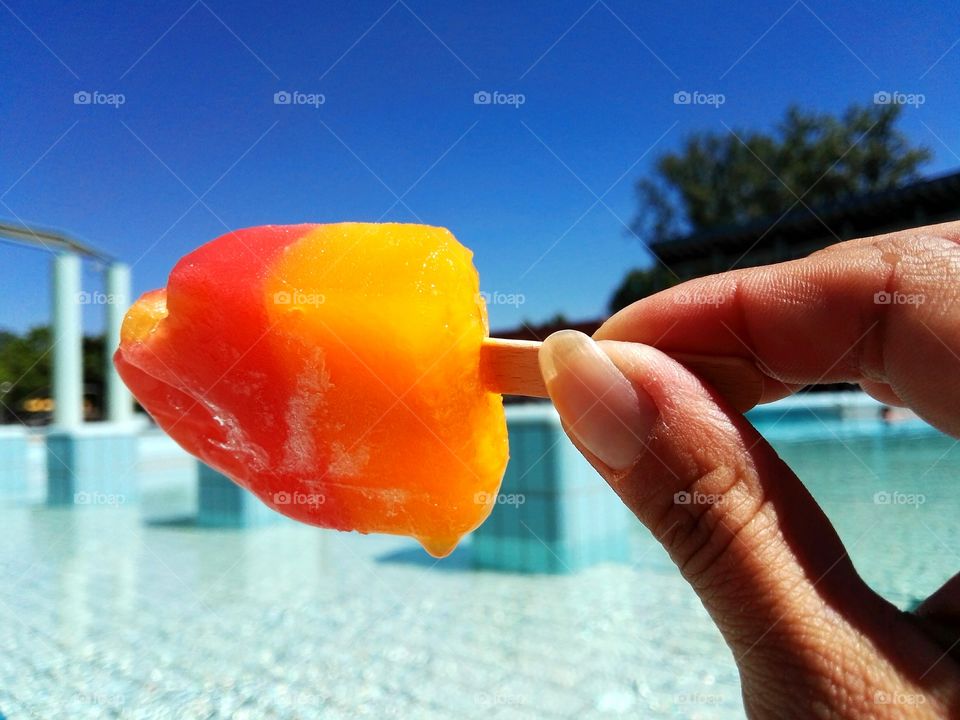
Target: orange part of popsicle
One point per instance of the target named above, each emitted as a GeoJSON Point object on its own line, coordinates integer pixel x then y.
{"type": "Point", "coordinates": [333, 370]}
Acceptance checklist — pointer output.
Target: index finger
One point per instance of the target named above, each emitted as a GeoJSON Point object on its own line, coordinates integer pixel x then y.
{"type": "Point", "coordinates": [875, 310]}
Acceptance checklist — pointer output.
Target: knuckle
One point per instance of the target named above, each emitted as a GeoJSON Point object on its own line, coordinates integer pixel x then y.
{"type": "Point", "coordinates": [707, 518]}
{"type": "Point", "coordinates": [918, 262]}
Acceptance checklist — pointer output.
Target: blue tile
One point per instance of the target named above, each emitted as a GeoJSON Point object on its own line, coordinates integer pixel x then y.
{"type": "Point", "coordinates": [575, 472]}
{"type": "Point", "coordinates": [587, 514]}
{"type": "Point", "coordinates": [13, 464]}
{"type": "Point", "coordinates": [539, 515]}
{"type": "Point", "coordinates": [569, 517]}
{"type": "Point", "coordinates": [533, 462]}
{"type": "Point", "coordinates": [90, 466]}
{"type": "Point", "coordinates": [223, 503]}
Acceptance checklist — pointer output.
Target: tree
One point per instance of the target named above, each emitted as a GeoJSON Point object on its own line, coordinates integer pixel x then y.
{"type": "Point", "coordinates": [26, 369]}
{"type": "Point", "coordinates": [640, 283]}
{"type": "Point", "coordinates": [726, 178]}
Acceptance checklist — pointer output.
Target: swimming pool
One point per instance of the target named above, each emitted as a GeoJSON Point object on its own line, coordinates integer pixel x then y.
{"type": "Point", "coordinates": [103, 615]}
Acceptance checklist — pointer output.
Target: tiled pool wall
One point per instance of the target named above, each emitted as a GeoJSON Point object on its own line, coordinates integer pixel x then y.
{"type": "Point", "coordinates": [110, 614]}
{"type": "Point", "coordinates": [14, 462]}
{"type": "Point", "coordinates": [91, 465]}
{"type": "Point", "coordinates": [223, 503]}
{"type": "Point", "coordinates": [551, 515]}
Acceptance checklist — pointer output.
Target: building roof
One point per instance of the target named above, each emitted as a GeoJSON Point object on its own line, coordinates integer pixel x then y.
{"type": "Point", "coordinates": [927, 201]}
{"type": "Point", "coordinates": [539, 332]}
{"type": "Point", "coordinates": [50, 240]}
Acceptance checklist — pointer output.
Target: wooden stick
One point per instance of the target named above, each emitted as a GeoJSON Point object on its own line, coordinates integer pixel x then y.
{"type": "Point", "coordinates": [511, 367]}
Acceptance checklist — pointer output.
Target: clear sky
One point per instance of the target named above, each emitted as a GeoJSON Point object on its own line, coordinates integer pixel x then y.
{"type": "Point", "coordinates": [541, 191]}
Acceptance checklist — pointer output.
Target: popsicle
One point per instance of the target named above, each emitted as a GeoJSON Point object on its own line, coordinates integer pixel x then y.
{"type": "Point", "coordinates": [342, 373]}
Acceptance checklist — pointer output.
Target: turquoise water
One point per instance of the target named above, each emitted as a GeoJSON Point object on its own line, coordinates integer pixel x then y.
{"type": "Point", "coordinates": [105, 616]}
{"type": "Point", "coordinates": [891, 492]}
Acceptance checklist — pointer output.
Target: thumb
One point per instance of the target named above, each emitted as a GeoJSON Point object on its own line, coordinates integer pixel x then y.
{"type": "Point", "coordinates": [743, 530]}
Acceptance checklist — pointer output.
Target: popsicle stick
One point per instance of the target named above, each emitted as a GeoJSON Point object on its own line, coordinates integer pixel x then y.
{"type": "Point", "coordinates": [510, 367]}
{"type": "Point", "coordinates": [739, 381]}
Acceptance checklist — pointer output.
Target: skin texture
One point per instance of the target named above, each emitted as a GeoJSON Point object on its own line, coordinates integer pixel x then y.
{"type": "Point", "coordinates": [811, 640]}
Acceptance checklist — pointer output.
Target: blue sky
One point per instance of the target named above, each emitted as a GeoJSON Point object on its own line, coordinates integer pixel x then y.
{"type": "Point", "coordinates": [542, 192]}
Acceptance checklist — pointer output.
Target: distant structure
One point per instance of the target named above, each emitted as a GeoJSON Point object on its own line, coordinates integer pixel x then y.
{"type": "Point", "coordinates": [86, 462]}
{"type": "Point", "coordinates": [67, 302]}
{"type": "Point", "coordinates": [539, 332]}
{"type": "Point", "coordinates": [795, 234]}
{"type": "Point", "coordinates": [801, 231]}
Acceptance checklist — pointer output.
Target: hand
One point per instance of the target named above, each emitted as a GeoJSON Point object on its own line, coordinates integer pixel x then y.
{"type": "Point", "coordinates": [809, 637]}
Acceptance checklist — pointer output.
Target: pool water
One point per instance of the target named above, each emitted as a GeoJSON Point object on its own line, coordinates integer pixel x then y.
{"type": "Point", "coordinates": [105, 616]}
{"type": "Point", "coordinates": [890, 491]}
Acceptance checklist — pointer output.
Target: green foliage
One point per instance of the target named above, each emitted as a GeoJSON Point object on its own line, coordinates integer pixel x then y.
{"type": "Point", "coordinates": [557, 319]}
{"type": "Point", "coordinates": [726, 178]}
{"type": "Point", "coordinates": [26, 367]}
{"type": "Point", "coordinates": [639, 284]}
{"type": "Point", "coordinates": [94, 364]}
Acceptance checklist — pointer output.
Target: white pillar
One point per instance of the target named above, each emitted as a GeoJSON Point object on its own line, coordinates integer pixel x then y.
{"type": "Point", "coordinates": [119, 403]}
{"type": "Point", "coordinates": [68, 342]}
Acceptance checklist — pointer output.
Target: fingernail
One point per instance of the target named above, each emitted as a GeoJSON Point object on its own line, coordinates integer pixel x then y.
{"type": "Point", "coordinates": [598, 404]}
